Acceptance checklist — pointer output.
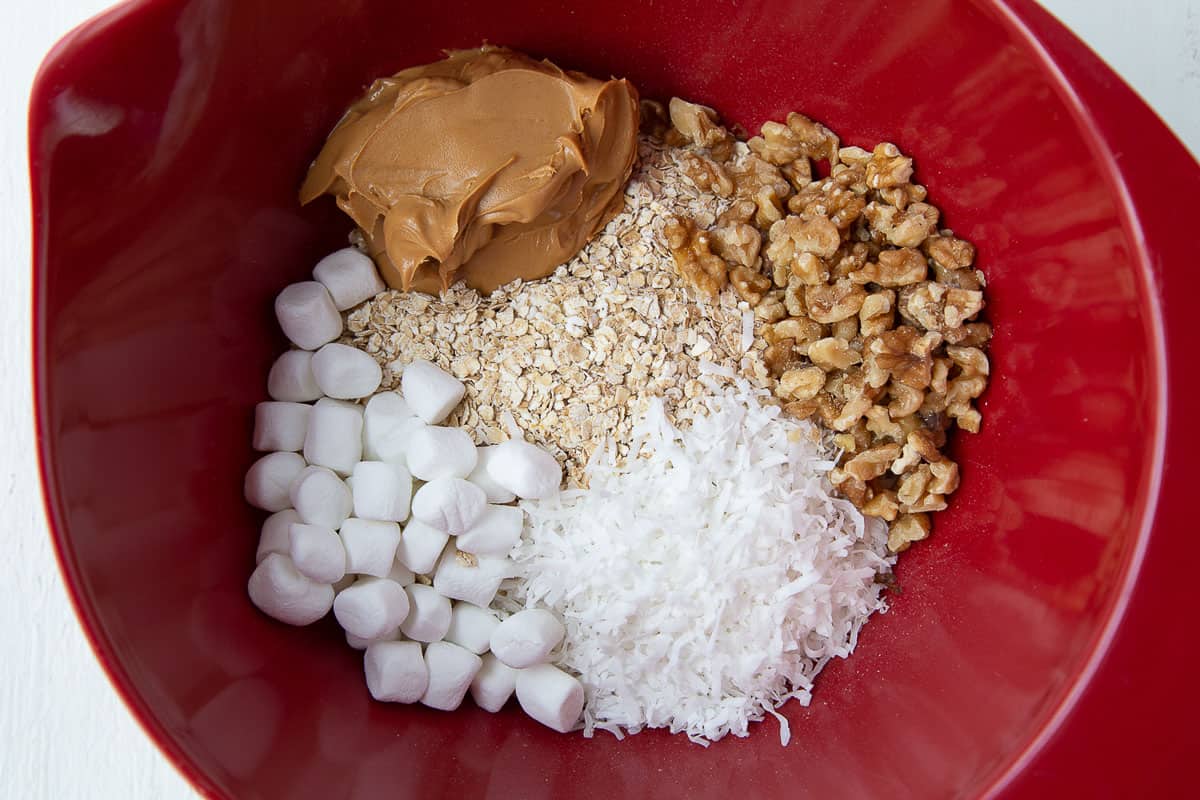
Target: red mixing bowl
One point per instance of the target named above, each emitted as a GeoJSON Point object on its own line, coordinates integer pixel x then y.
{"type": "Point", "coordinates": [1042, 644]}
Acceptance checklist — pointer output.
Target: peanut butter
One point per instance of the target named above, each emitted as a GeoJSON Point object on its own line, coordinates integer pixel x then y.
{"type": "Point", "coordinates": [486, 167]}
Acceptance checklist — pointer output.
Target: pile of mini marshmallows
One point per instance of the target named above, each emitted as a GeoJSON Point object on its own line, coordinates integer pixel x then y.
{"type": "Point", "coordinates": [339, 479]}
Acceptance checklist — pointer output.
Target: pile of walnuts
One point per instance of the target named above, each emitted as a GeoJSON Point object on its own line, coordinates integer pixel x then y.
{"type": "Point", "coordinates": [870, 311]}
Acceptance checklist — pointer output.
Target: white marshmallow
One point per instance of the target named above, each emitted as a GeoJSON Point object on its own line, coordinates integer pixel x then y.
{"type": "Point", "coordinates": [495, 533]}
{"type": "Point", "coordinates": [430, 391]}
{"type": "Point", "coordinates": [321, 498]}
{"type": "Point", "coordinates": [278, 589]}
{"type": "Point", "coordinates": [550, 696]}
{"type": "Point", "coordinates": [291, 378]}
{"type": "Point", "coordinates": [401, 574]}
{"type": "Point", "coordinates": [307, 315]}
{"type": "Point", "coordinates": [451, 670]}
{"type": "Point", "coordinates": [435, 452]}
{"type": "Point", "coordinates": [370, 546]}
{"type": "Point", "coordinates": [428, 614]}
{"type": "Point", "coordinates": [527, 637]}
{"type": "Point", "coordinates": [268, 479]}
{"type": "Point", "coordinates": [346, 373]}
{"type": "Point", "coordinates": [317, 552]}
{"type": "Point", "coordinates": [334, 437]}
{"type": "Point", "coordinates": [471, 627]}
{"type": "Point", "coordinates": [477, 584]}
{"type": "Point", "coordinates": [525, 469]}
{"type": "Point", "coordinates": [420, 546]}
{"type": "Point", "coordinates": [449, 504]}
{"type": "Point", "coordinates": [396, 672]}
{"type": "Point", "coordinates": [350, 277]}
{"type": "Point", "coordinates": [358, 643]}
{"type": "Point", "coordinates": [371, 607]}
{"type": "Point", "coordinates": [280, 426]}
{"type": "Point", "coordinates": [381, 491]}
{"type": "Point", "coordinates": [480, 477]}
{"type": "Point", "coordinates": [493, 684]}
{"type": "Point", "coordinates": [387, 423]}
{"type": "Point", "coordinates": [276, 534]}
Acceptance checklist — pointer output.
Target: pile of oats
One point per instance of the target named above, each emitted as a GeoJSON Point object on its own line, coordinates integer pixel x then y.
{"type": "Point", "coordinates": [576, 356]}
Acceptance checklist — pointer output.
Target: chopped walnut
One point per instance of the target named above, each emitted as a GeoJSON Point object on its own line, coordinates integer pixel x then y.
{"type": "Point", "coordinates": [936, 307]}
{"type": "Point", "coordinates": [737, 243]}
{"type": "Point", "coordinates": [908, 228]}
{"type": "Point", "coordinates": [707, 175]}
{"type": "Point", "coordinates": [694, 258]}
{"type": "Point", "coordinates": [827, 199]}
{"type": "Point", "coordinates": [907, 528]}
{"type": "Point", "coordinates": [872, 463]}
{"type": "Point", "coordinates": [846, 329]}
{"type": "Point", "coordinates": [943, 477]}
{"type": "Point", "coordinates": [895, 268]}
{"type": "Point", "coordinates": [904, 355]}
{"type": "Point", "coordinates": [883, 504]}
{"type": "Point", "coordinates": [780, 356]}
{"type": "Point", "coordinates": [888, 167]}
{"type": "Point", "coordinates": [801, 384]}
{"type": "Point", "coordinates": [903, 196]}
{"type": "Point", "coordinates": [970, 360]}
{"type": "Point", "coordinates": [699, 126]}
{"type": "Point", "coordinates": [799, 173]}
{"type": "Point", "coordinates": [877, 313]}
{"type": "Point", "coordinates": [762, 183]}
{"type": "Point", "coordinates": [751, 286]}
{"type": "Point", "coordinates": [832, 303]}
{"type": "Point", "coordinates": [856, 491]}
{"type": "Point", "coordinates": [800, 331]}
{"type": "Point", "coordinates": [906, 400]}
{"type": "Point", "coordinates": [800, 138]}
{"type": "Point", "coordinates": [833, 354]}
{"type": "Point", "coordinates": [949, 252]}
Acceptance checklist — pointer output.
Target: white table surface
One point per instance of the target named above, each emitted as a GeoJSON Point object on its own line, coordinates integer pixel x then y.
{"type": "Point", "coordinates": [64, 733]}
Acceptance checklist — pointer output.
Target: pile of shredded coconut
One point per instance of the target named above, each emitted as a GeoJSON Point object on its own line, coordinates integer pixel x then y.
{"type": "Point", "coordinates": [708, 580]}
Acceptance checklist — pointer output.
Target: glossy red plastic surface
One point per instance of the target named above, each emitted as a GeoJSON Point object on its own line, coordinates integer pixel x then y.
{"type": "Point", "coordinates": [1040, 647]}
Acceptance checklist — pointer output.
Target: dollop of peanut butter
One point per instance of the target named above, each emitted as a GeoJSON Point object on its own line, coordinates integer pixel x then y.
{"type": "Point", "coordinates": [486, 167]}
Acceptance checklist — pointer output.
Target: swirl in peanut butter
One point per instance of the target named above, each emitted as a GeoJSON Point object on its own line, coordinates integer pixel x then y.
{"type": "Point", "coordinates": [485, 167]}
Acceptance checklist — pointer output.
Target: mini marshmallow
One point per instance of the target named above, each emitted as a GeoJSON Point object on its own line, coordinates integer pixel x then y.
{"type": "Point", "coordinates": [321, 498]}
{"type": "Point", "coordinates": [268, 479]}
{"type": "Point", "coordinates": [280, 426]}
{"type": "Point", "coordinates": [278, 589]}
{"type": "Point", "coordinates": [381, 491]}
{"type": "Point", "coordinates": [495, 533]}
{"type": "Point", "coordinates": [550, 696]}
{"type": "Point", "coordinates": [430, 391]}
{"type": "Point", "coordinates": [346, 373]}
{"type": "Point", "coordinates": [527, 637]}
{"type": "Point", "coordinates": [401, 574]}
{"type": "Point", "coordinates": [276, 534]}
{"type": "Point", "coordinates": [525, 469]}
{"type": "Point", "coordinates": [493, 684]}
{"type": "Point", "coordinates": [359, 643]}
{"type": "Point", "coordinates": [451, 670]}
{"type": "Point", "coordinates": [317, 552]}
{"type": "Point", "coordinates": [350, 277]}
{"type": "Point", "coordinates": [472, 584]}
{"type": "Point", "coordinates": [471, 627]}
{"type": "Point", "coordinates": [480, 477]}
{"type": "Point", "coordinates": [307, 315]}
{"type": "Point", "coordinates": [428, 614]}
{"type": "Point", "coordinates": [396, 672]}
{"type": "Point", "coordinates": [370, 546]}
{"type": "Point", "coordinates": [334, 437]}
{"type": "Point", "coordinates": [387, 423]}
{"type": "Point", "coordinates": [435, 452]}
{"type": "Point", "coordinates": [449, 504]}
{"type": "Point", "coordinates": [291, 378]}
{"type": "Point", "coordinates": [371, 607]}
{"type": "Point", "coordinates": [420, 546]}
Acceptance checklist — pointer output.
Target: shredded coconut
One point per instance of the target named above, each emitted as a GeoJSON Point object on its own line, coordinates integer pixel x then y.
{"type": "Point", "coordinates": [707, 579]}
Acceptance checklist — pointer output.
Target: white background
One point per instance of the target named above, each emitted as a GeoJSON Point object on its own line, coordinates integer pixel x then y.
{"type": "Point", "coordinates": [64, 733]}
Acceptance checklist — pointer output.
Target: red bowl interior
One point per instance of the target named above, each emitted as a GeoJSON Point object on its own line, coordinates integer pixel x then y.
{"type": "Point", "coordinates": [168, 142]}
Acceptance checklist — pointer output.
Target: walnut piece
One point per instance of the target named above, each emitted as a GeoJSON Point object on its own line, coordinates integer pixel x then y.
{"type": "Point", "coordinates": [693, 256]}
{"type": "Point", "coordinates": [737, 243]}
{"type": "Point", "coordinates": [782, 144]}
{"type": "Point", "coordinates": [801, 384]}
{"type": "Point", "coordinates": [888, 167]}
{"type": "Point", "coordinates": [832, 303]}
{"type": "Point", "coordinates": [751, 286]}
{"type": "Point", "coordinates": [833, 354]}
{"type": "Point", "coordinates": [699, 125]}
{"type": "Point", "coordinates": [907, 528]}
{"type": "Point", "coordinates": [895, 268]}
